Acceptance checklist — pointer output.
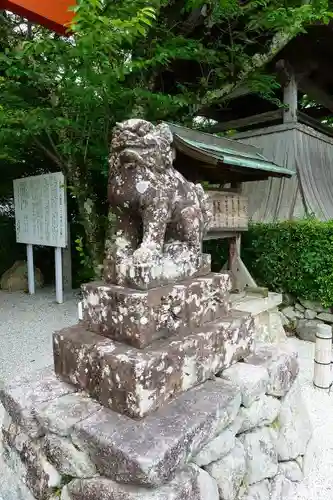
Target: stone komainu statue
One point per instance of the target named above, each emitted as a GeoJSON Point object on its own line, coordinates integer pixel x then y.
{"type": "Point", "coordinates": [158, 211]}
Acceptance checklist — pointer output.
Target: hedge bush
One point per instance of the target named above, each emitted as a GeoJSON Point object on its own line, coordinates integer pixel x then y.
{"type": "Point", "coordinates": [294, 257]}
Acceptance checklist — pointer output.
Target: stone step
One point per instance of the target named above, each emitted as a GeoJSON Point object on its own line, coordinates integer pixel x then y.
{"type": "Point", "coordinates": [136, 382]}
{"type": "Point", "coordinates": [139, 317]}
{"type": "Point", "coordinates": [254, 304]}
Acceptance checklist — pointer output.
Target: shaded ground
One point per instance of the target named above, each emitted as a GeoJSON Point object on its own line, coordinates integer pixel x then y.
{"type": "Point", "coordinates": [26, 327]}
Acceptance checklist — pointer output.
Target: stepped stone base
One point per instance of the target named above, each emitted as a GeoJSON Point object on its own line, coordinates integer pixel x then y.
{"type": "Point", "coordinates": [139, 317]}
{"type": "Point", "coordinates": [62, 444]}
{"type": "Point", "coordinates": [136, 382]}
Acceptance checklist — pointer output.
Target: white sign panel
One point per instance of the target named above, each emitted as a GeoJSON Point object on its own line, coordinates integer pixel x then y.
{"type": "Point", "coordinates": [41, 210]}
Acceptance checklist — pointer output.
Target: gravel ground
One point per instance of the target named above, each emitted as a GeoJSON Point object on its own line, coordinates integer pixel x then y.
{"type": "Point", "coordinates": [26, 327]}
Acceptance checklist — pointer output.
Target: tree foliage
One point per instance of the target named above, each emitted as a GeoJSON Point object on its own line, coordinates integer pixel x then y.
{"type": "Point", "coordinates": [159, 60]}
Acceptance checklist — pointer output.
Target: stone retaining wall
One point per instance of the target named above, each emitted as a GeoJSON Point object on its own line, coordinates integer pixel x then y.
{"type": "Point", "coordinates": [241, 436]}
{"type": "Point", "coordinates": [302, 317]}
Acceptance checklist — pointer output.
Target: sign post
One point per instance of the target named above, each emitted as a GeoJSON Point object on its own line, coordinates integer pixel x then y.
{"type": "Point", "coordinates": [31, 271]}
{"type": "Point", "coordinates": [58, 275]}
{"type": "Point", "coordinates": [41, 219]}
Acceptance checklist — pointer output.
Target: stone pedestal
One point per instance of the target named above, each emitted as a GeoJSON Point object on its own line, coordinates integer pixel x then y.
{"type": "Point", "coordinates": [136, 350]}
{"type": "Point", "coordinates": [226, 438]}
{"type": "Point", "coordinates": [136, 382]}
{"type": "Point", "coordinates": [138, 317]}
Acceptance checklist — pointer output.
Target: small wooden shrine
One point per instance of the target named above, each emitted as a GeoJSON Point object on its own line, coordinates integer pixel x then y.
{"type": "Point", "coordinates": [224, 166]}
{"type": "Point", "coordinates": [297, 136]}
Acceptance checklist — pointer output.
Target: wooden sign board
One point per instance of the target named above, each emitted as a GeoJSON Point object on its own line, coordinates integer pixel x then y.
{"type": "Point", "coordinates": [41, 210]}
{"type": "Point", "coordinates": [230, 211]}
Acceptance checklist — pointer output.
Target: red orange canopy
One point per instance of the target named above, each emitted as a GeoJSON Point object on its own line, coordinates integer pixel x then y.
{"type": "Point", "coordinates": [52, 14]}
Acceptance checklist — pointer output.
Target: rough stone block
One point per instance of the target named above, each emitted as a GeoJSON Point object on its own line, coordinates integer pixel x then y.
{"type": "Point", "coordinates": [217, 448]}
{"type": "Point", "coordinates": [262, 412]}
{"type": "Point", "coordinates": [281, 488]}
{"type": "Point", "coordinates": [294, 426]}
{"type": "Point", "coordinates": [139, 317]}
{"type": "Point", "coordinates": [66, 458]}
{"type": "Point", "coordinates": [229, 472]}
{"type": "Point", "coordinates": [22, 395]}
{"type": "Point", "coordinates": [291, 470]}
{"type": "Point", "coordinates": [306, 329]}
{"type": "Point", "coordinates": [314, 306]}
{"type": "Point", "coordinates": [258, 491]}
{"type": "Point", "coordinates": [191, 483]}
{"type": "Point", "coordinates": [308, 314]}
{"type": "Point", "coordinates": [149, 452]}
{"type": "Point", "coordinates": [26, 459]}
{"type": "Point", "coordinates": [252, 381]}
{"type": "Point", "coordinates": [326, 317]}
{"type": "Point", "coordinates": [292, 314]}
{"type": "Point", "coordinates": [11, 487]}
{"type": "Point", "coordinates": [136, 382]}
{"type": "Point", "coordinates": [281, 364]}
{"type": "Point", "coordinates": [261, 455]}
{"type": "Point", "coordinates": [60, 414]}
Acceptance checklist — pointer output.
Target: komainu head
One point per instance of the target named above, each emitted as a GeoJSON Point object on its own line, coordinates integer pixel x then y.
{"type": "Point", "coordinates": [137, 142]}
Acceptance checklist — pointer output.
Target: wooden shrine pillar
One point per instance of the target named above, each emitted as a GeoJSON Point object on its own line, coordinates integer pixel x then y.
{"type": "Point", "coordinates": [290, 100]}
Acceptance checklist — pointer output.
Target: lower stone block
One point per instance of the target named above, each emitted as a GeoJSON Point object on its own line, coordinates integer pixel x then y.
{"type": "Point", "coordinates": [261, 454]}
{"type": "Point", "coordinates": [191, 483]}
{"type": "Point", "coordinates": [262, 412]}
{"type": "Point", "coordinates": [294, 425]}
{"type": "Point", "coordinates": [281, 488]}
{"type": "Point", "coordinates": [139, 317]}
{"type": "Point", "coordinates": [66, 458]}
{"type": "Point", "coordinates": [217, 448]}
{"type": "Point", "coordinates": [148, 452]}
{"type": "Point", "coordinates": [31, 393]}
{"type": "Point", "coordinates": [27, 461]}
{"type": "Point", "coordinates": [229, 472]}
{"type": "Point", "coordinates": [136, 382]}
{"type": "Point", "coordinates": [281, 364]}
{"type": "Point", "coordinates": [291, 470]}
{"type": "Point", "coordinates": [258, 491]}
{"type": "Point", "coordinates": [252, 381]}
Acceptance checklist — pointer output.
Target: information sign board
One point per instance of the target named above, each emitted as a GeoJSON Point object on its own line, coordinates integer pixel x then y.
{"type": "Point", "coordinates": [41, 210]}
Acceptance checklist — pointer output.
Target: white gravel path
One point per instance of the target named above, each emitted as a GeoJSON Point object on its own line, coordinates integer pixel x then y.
{"type": "Point", "coordinates": [26, 327]}
{"type": "Point", "coordinates": [318, 482]}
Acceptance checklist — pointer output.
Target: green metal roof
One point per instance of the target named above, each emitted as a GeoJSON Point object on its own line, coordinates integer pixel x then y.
{"type": "Point", "coordinates": [220, 151]}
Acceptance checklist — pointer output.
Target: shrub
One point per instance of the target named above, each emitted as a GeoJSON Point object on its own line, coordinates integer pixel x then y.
{"type": "Point", "coordinates": [294, 257]}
